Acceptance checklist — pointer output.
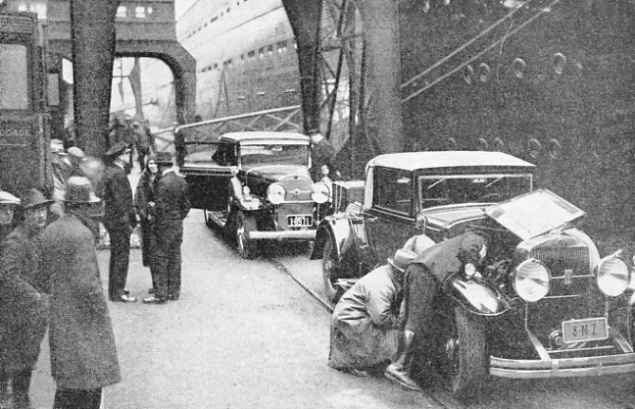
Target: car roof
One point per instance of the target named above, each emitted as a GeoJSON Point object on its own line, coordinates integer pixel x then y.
{"type": "Point", "coordinates": [266, 137]}
{"type": "Point", "coordinates": [412, 161]}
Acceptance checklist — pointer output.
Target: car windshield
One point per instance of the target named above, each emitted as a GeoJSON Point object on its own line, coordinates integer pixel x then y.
{"type": "Point", "coordinates": [456, 189]}
{"type": "Point", "coordinates": [258, 155]}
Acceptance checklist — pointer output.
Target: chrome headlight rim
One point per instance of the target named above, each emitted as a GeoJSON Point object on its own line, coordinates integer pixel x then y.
{"type": "Point", "coordinates": [276, 193]}
{"type": "Point", "coordinates": [536, 271]}
{"type": "Point", "coordinates": [613, 275]}
{"type": "Point", "coordinates": [320, 192]}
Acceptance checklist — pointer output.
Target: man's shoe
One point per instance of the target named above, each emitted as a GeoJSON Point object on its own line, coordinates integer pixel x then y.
{"type": "Point", "coordinates": [124, 298]}
{"type": "Point", "coordinates": [126, 291]}
{"type": "Point", "coordinates": [154, 300]}
{"type": "Point", "coordinates": [401, 377]}
{"type": "Point", "coordinates": [352, 371]}
{"type": "Point", "coordinates": [151, 290]}
{"type": "Point", "coordinates": [173, 297]}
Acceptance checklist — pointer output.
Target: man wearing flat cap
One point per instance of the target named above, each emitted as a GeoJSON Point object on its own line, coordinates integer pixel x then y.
{"type": "Point", "coordinates": [172, 204]}
{"type": "Point", "coordinates": [423, 280]}
{"type": "Point", "coordinates": [82, 343]}
{"type": "Point", "coordinates": [23, 303]}
{"type": "Point", "coordinates": [365, 322]}
{"type": "Point", "coordinates": [119, 219]}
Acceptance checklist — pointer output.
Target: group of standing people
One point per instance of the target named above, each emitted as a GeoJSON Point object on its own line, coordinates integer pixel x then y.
{"type": "Point", "coordinates": [134, 135]}
{"type": "Point", "coordinates": [160, 203]}
{"type": "Point", "coordinates": [377, 323]}
{"type": "Point", "coordinates": [49, 278]}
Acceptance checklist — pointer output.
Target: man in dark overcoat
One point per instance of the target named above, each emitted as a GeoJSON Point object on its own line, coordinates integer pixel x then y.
{"type": "Point", "coordinates": [423, 281]}
{"type": "Point", "coordinates": [172, 204]}
{"type": "Point", "coordinates": [119, 219]}
{"type": "Point", "coordinates": [365, 322]}
{"type": "Point", "coordinates": [82, 343]}
{"type": "Point", "coordinates": [23, 303]}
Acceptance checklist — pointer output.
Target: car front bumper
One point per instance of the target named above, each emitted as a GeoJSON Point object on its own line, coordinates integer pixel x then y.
{"type": "Point", "coordinates": [562, 368]}
{"type": "Point", "coordinates": [282, 235]}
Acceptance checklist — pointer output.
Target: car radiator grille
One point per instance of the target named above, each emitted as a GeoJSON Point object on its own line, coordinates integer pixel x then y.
{"type": "Point", "coordinates": [569, 266]}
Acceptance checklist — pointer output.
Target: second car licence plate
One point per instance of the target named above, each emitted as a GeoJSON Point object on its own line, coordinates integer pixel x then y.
{"type": "Point", "coordinates": [300, 220]}
{"type": "Point", "coordinates": [589, 329]}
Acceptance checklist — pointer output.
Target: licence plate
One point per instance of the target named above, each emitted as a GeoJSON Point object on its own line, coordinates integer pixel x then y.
{"type": "Point", "coordinates": [589, 329]}
{"type": "Point", "coordinates": [300, 220]}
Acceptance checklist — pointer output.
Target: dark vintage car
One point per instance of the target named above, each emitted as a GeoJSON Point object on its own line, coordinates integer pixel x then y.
{"type": "Point", "coordinates": [545, 305]}
{"type": "Point", "coordinates": [256, 186]}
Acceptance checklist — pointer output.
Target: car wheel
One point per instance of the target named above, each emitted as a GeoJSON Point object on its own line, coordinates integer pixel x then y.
{"type": "Point", "coordinates": [330, 271]}
{"type": "Point", "coordinates": [246, 248]}
{"type": "Point", "coordinates": [466, 355]}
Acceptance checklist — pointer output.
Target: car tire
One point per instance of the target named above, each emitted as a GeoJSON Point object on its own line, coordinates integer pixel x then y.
{"type": "Point", "coordinates": [247, 248]}
{"type": "Point", "coordinates": [330, 272]}
{"type": "Point", "coordinates": [467, 357]}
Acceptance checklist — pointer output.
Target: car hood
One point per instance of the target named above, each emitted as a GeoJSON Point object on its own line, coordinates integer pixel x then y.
{"type": "Point", "coordinates": [535, 213]}
{"type": "Point", "coordinates": [275, 173]}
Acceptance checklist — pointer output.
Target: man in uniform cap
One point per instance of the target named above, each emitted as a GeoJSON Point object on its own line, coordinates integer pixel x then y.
{"type": "Point", "coordinates": [23, 303]}
{"type": "Point", "coordinates": [119, 219]}
{"type": "Point", "coordinates": [82, 343]}
{"type": "Point", "coordinates": [172, 204]}
{"type": "Point", "coordinates": [365, 322]}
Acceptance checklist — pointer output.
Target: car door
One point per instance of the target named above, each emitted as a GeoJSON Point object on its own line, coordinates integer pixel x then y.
{"type": "Point", "coordinates": [207, 170]}
{"type": "Point", "coordinates": [390, 219]}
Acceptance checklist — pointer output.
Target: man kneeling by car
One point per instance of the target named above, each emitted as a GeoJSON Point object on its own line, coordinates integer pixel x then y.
{"type": "Point", "coordinates": [365, 322]}
{"type": "Point", "coordinates": [422, 282]}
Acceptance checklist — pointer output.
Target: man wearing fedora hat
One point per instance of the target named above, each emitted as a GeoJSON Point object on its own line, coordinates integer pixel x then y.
{"type": "Point", "coordinates": [82, 343]}
{"type": "Point", "coordinates": [423, 280]}
{"type": "Point", "coordinates": [23, 303]}
{"type": "Point", "coordinates": [172, 204]}
{"type": "Point", "coordinates": [365, 322]}
{"type": "Point", "coordinates": [119, 219]}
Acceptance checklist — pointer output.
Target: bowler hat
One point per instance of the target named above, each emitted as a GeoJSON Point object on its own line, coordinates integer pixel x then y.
{"type": "Point", "coordinates": [80, 190]}
{"type": "Point", "coordinates": [75, 152]}
{"type": "Point", "coordinates": [117, 149]}
{"type": "Point", "coordinates": [402, 258]}
{"type": "Point", "coordinates": [31, 198]}
{"type": "Point", "coordinates": [8, 198]}
{"type": "Point", "coordinates": [163, 158]}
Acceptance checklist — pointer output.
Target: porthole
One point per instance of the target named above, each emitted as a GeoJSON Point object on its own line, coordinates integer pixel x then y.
{"type": "Point", "coordinates": [555, 148]}
{"type": "Point", "coordinates": [559, 63]}
{"type": "Point", "coordinates": [519, 67]}
{"type": "Point", "coordinates": [499, 145]}
{"type": "Point", "coordinates": [482, 144]}
{"type": "Point", "coordinates": [468, 74]}
{"type": "Point", "coordinates": [426, 6]}
{"type": "Point", "coordinates": [483, 72]}
{"type": "Point", "coordinates": [534, 148]}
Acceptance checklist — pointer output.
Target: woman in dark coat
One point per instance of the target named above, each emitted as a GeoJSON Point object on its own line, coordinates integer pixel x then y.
{"type": "Point", "coordinates": [23, 304]}
{"type": "Point", "coordinates": [83, 352]}
{"type": "Point", "coordinates": [144, 205]}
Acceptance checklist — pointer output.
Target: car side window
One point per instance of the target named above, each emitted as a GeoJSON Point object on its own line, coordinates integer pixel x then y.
{"type": "Point", "coordinates": [392, 190]}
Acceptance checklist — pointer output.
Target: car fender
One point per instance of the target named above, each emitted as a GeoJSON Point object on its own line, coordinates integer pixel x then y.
{"type": "Point", "coordinates": [476, 295]}
{"type": "Point", "coordinates": [242, 201]}
{"type": "Point", "coordinates": [333, 228]}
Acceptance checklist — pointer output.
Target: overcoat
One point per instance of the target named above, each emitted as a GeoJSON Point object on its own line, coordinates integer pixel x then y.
{"type": "Point", "coordinates": [23, 306]}
{"type": "Point", "coordinates": [144, 194]}
{"type": "Point", "coordinates": [364, 322]}
{"type": "Point", "coordinates": [82, 343]}
{"type": "Point", "coordinates": [119, 209]}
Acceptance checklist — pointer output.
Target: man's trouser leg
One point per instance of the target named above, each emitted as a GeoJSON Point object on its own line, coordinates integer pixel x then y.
{"type": "Point", "coordinates": [174, 264]}
{"type": "Point", "coordinates": [21, 385]}
{"type": "Point", "coordinates": [119, 259]}
{"type": "Point", "coordinates": [162, 248]}
{"type": "Point", "coordinates": [77, 399]}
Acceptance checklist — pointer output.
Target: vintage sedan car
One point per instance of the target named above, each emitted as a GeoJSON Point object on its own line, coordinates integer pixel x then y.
{"type": "Point", "coordinates": [545, 305]}
{"type": "Point", "coordinates": [256, 186]}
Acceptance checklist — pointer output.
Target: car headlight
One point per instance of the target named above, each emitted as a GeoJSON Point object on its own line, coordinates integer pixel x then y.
{"type": "Point", "coordinates": [276, 193]}
{"type": "Point", "coordinates": [613, 275]}
{"type": "Point", "coordinates": [531, 280]}
{"type": "Point", "coordinates": [320, 192]}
